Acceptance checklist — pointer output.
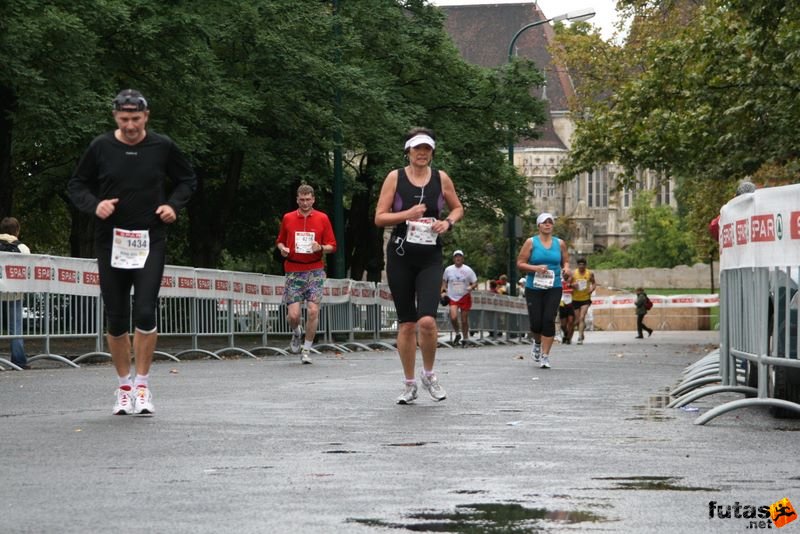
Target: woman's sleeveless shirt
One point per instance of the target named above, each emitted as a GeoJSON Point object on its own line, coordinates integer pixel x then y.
{"type": "Point", "coordinates": [407, 195]}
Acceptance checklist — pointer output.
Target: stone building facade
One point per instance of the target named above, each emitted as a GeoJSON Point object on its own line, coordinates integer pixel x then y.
{"type": "Point", "coordinates": [599, 211]}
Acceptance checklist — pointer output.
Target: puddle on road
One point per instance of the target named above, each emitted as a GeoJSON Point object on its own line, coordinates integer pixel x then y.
{"type": "Point", "coordinates": [653, 409]}
{"type": "Point", "coordinates": [652, 483]}
{"type": "Point", "coordinates": [485, 517]}
{"type": "Point", "coordinates": [228, 469]}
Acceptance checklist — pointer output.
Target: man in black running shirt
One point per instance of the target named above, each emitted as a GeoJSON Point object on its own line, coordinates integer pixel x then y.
{"type": "Point", "coordinates": [121, 179]}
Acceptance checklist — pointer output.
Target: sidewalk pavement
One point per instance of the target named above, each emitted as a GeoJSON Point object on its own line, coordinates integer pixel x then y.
{"type": "Point", "coordinates": [270, 445]}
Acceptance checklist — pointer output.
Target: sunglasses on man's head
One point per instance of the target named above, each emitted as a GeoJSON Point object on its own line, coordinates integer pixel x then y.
{"type": "Point", "coordinates": [130, 103]}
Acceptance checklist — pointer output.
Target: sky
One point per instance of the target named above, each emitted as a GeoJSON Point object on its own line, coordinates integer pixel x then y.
{"type": "Point", "coordinates": [605, 17]}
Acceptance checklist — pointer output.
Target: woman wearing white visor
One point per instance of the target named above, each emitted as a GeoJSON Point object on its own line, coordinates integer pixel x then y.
{"type": "Point", "coordinates": [412, 200]}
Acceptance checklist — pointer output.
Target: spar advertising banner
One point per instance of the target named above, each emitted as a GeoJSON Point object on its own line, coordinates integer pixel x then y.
{"type": "Point", "coordinates": [271, 288]}
{"type": "Point", "coordinates": [761, 229]}
{"type": "Point", "coordinates": [362, 292]}
{"type": "Point", "coordinates": [336, 291]}
{"type": "Point", "coordinates": [33, 273]}
{"type": "Point", "coordinates": [39, 273]}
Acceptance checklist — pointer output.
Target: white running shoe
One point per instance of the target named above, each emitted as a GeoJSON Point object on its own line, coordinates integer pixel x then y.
{"type": "Point", "coordinates": [143, 402]}
{"type": "Point", "coordinates": [431, 383]}
{"type": "Point", "coordinates": [536, 351]}
{"type": "Point", "coordinates": [294, 345]}
{"type": "Point", "coordinates": [124, 404]}
{"type": "Point", "coordinates": [545, 362]}
{"type": "Point", "coordinates": [305, 356]}
{"type": "Point", "coordinates": [580, 340]}
{"type": "Point", "coordinates": [409, 395]}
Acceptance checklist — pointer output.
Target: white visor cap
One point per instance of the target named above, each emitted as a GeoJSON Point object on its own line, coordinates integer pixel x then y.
{"type": "Point", "coordinates": [543, 217]}
{"type": "Point", "coordinates": [420, 139]}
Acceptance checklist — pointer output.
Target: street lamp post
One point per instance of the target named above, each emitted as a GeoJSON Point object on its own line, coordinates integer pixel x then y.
{"type": "Point", "coordinates": [339, 264]}
{"type": "Point", "coordinates": [572, 16]}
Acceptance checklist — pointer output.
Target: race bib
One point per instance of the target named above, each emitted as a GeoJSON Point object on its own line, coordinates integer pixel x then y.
{"type": "Point", "coordinates": [130, 248]}
{"type": "Point", "coordinates": [458, 288]}
{"type": "Point", "coordinates": [420, 231]}
{"type": "Point", "coordinates": [581, 285]}
{"type": "Point", "coordinates": [566, 298]}
{"type": "Point", "coordinates": [303, 242]}
{"type": "Point", "coordinates": [544, 280]}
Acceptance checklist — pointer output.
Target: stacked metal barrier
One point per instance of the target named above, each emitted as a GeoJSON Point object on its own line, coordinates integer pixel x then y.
{"type": "Point", "coordinates": [759, 275]}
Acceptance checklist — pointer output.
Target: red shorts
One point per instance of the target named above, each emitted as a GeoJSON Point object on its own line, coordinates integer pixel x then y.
{"type": "Point", "coordinates": [464, 303]}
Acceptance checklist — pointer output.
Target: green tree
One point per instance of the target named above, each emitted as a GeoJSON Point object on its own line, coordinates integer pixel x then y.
{"type": "Point", "coordinates": [249, 90]}
{"type": "Point", "coordinates": [661, 239]}
{"type": "Point", "coordinates": [50, 90]}
{"type": "Point", "coordinates": [701, 91]}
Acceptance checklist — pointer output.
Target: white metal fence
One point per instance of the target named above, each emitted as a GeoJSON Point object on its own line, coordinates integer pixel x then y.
{"type": "Point", "coordinates": [212, 312]}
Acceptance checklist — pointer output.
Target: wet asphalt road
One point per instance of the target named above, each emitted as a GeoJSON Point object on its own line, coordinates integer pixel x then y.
{"type": "Point", "coordinates": [269, 445]}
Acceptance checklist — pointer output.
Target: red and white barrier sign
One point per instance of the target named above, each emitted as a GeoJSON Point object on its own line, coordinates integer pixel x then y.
{"type": "Point", "coordinates": [761, 229]}
{"type": "Point", "coordinates": [74, 276]}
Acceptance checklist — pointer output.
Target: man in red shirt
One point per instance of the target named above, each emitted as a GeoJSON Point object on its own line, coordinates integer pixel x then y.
{"type": "Point", "coordinates": [305, 235]}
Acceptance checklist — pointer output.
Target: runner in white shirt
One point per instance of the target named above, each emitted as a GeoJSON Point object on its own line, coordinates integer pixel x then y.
{"type": "Point", "coordinates": [458, 281]}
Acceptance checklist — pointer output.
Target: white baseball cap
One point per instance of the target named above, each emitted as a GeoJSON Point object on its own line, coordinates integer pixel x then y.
{"type": "Point", "coordinates": [457, 252]}
{"type": "Point", "coordinates": [544, 216]}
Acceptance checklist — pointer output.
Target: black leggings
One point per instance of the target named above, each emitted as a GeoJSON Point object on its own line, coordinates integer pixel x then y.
{"type": "Point", "coordinates": [542, 309]}
{"type": "Point", "coordinates": [116, 284]}
{"type": "Point", "coordinates": [415, 280]}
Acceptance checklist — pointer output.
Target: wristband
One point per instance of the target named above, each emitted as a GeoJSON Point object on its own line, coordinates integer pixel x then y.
{"type": "Point", "coordinates": [449, 224]}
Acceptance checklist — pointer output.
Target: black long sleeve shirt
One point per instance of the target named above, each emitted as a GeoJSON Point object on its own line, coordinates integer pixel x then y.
{"type": "Point", "coordinates": [135, 174]}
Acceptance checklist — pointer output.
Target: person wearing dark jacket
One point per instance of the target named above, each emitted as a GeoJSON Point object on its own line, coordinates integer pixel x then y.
{"type": "Point", "coordinates": [12, 302]}
{"type": "Point", "coordinates": [641, 311]}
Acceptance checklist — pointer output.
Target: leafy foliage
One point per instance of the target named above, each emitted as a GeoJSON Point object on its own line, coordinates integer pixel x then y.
{"type": "Point", "coordinates": [661, 240]}
{"type": "Point", "coordinates": [259, 94]}
{"type": "Point", "coordinates": [705, 92]}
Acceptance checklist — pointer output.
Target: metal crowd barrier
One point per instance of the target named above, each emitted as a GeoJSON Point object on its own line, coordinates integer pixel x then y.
{"type": "Point", "coordinates": [759, 276]}
{"type": "Point", "coordinates": [212, 313]}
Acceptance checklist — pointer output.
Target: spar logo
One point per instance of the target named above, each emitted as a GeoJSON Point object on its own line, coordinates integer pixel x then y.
{"type": "Point", "coordinates": [741, 232]}
{"type": "Point", "coordinates": [762, 228]}
{"type": "Point", "coordinates": [794, 224]}
{"type": "Point", "coordinates": [775, 515]}
{"type": "Point", "coordinates": [727, 235]}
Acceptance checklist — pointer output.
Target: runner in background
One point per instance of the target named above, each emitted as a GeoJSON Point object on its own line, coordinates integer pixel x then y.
{"type": "Point", "coordinates": [583, 285]}
{"type": "Point", "coordinates": [544, 257]}
{"type": "Point", "coordinates": [566, 313]}
{"type": "Point", "coordinates": [458, 281]}
{"type": "Point", "coordinates": [305, 236]}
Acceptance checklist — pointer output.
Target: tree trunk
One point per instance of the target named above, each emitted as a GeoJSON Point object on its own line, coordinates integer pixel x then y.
{"type": "Point", "coordinates": [364, 239]}
{"type": "Point", "coordinates": [8, 101]}
{"type": "Point", "coordinates": [81, 234]}
{"type": "Point", "coordinates": [210, 212]}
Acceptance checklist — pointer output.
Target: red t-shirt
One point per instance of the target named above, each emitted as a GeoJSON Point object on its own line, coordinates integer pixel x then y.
{"type": "Point", "coordinates": [298, 231]}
